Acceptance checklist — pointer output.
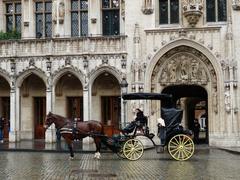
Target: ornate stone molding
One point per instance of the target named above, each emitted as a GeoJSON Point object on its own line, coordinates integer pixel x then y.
{"type": "Point", "coordinates": [147, 7]}
{"type": "Point", "coordinates": [192, 10]}
{"type": "Point", "coordinates": [184, 65]}
{"type": "Point", "coordinates": [236, 4]}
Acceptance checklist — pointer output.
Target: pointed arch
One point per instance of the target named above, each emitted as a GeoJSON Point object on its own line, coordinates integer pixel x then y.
{"type": "Point", "coordinates": [112, 70]}
{"type": "Point", "coordinates": [23, 75]}
{"type": "Point", "coordinates": [5, 75]}
{"type": "Point", "coordinates": [61, 72]}
{"type": "Point", "coordinates": [178, 43]}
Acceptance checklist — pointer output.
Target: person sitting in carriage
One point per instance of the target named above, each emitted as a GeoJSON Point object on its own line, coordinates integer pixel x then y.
{"type": "Point", "coordinates": [139, 122]}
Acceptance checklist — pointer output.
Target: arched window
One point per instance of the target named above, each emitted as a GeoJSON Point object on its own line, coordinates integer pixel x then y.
{"type": "Point", "coordinates": [169, 11]}
{"type": "Point", "coordinates": [79, 17]}
{"type": "Point", "coordinates": [216, 10]}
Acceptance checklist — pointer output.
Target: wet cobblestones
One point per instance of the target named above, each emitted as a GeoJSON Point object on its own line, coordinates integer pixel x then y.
{"type": "Point", "coordinates": [205, 164]}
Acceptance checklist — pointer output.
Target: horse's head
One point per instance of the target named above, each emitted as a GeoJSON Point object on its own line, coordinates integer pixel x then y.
{"type": "Point", "coordinates": [49, 120]}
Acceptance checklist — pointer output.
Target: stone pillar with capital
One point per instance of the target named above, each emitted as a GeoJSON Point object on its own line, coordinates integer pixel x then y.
{"type": "Point", "coordinates": [14, 135]}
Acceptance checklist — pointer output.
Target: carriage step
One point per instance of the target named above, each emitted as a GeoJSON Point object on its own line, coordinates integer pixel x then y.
{"type": "Point", "coordinates": [160, 148]}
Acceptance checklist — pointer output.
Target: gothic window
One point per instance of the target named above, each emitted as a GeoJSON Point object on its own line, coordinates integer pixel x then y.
{"type": "Point", "coordinates": [169, 11]}
{"type": "Point", "coordinates": [110, 17]}
{"type": "Point", "coordinates": [79, 17]}
{"type": "Point", "coordinates": [13, 16]}
{"type": "Point", "coordinates": [43, 14]}
{"type": "Point", "coordinates": [216, 10]}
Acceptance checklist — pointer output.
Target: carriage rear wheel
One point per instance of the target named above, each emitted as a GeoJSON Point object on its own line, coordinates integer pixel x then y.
{"type": "Point", "coordinates": [133, 149]}
{"type": "Point", "coordinates": [181, 147]}
{"type": "Point", "coordinates": [121, 154]}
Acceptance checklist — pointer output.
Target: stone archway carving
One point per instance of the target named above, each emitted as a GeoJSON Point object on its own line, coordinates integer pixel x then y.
{"type": "Point", "coordinates": [99, 70]}
{"type": "Point", "coordinates": [183, 65]}
{"type": "Point", "coordinates": [24, 74]}
{"type": "Point", "coordinates": [60, 73]}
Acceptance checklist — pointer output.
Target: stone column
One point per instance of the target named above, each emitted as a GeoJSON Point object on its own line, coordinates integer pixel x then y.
{"type": "Point", "coordinates": [50, 134]}
{"type": "Point", "coordinates": [12, 133]}
{"type": "Point", "coordinates": [86, 103]}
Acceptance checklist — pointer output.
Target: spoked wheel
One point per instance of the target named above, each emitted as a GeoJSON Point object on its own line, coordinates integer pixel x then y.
{"type": "Point", "coordinates": [121, 154]}
{"type": "Point", "coordinates": [181, 147]}
{"type": "Point", "coordinates": [133, 149]}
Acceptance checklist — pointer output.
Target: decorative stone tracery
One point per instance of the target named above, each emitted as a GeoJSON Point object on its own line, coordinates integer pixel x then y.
{"type": "Point", "coordinates": [183, 65]}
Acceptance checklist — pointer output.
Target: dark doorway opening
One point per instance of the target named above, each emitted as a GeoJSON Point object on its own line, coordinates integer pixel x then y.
{"type": "Point", "coordinates": [193, 100]}
{"type": "Point", "coordinates": [75, 108]}
{"type": "Point", "coordinates": [39, 117]}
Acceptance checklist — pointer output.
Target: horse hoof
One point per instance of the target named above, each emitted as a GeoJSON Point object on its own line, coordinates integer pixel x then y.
{"type": "Point", "coordinates": [71, 158]}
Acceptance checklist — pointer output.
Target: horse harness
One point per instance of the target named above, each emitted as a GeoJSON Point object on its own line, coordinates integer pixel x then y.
{"type": "Point", "coordinates": [71, 128]}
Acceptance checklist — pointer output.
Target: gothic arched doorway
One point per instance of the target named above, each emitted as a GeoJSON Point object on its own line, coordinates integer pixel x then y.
{"type": "Point", "coordinates": [33, 107]}
{"type": "Point", "coordinates": [5, 106]}
{"type": "Point", "coordinates": [193, 100]}
{"type": "Point", "coordinates": [106, 102]}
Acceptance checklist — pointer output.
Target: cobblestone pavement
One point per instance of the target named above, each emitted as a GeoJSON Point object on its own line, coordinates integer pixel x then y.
{"type": "Point", "coordinates": [205, 164]}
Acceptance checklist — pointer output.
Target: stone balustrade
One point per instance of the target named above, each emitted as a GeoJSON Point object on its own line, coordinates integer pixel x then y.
{"type": "Point", "coordinates": [63, 46]}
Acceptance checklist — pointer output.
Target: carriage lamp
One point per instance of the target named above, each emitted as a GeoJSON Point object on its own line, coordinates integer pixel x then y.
{"type": "Point", "coordinates": [124, 85]}
{"type": "Point", "coordinates": [12, 65]}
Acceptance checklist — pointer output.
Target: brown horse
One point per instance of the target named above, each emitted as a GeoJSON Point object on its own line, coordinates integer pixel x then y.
{"type": "Point", "coordinates": [71, 130]}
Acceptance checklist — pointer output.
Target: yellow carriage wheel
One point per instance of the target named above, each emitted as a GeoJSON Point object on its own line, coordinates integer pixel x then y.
{"type": "Point", "coordinates": [133, 149]}
{"type": "Point", "coordinates": [121, 154]}
{"type": "Point", "coordinates": [181, 147]}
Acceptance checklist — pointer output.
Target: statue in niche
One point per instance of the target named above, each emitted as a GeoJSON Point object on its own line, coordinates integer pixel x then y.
{"type": "Point", "coordinates": [184, 70]}
{"type": "Point", "coordinates": [227, 100]}
{"type": "Point", "coordinates": [215, 101]}
{"type": "Point", "coordinates": [61, 12]}
{"type": "Point", "coordinates": [164, 76]}
{"type": "Point", "coordinates": [54, 11]}
{"type": "Point", "coordinates": [172, 68]}
{"type": "Point", "coordinates": [194, 70]}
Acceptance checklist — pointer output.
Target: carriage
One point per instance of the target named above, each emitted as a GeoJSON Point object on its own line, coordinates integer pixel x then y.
{"type": "Point", "coordinates": [173, 136]}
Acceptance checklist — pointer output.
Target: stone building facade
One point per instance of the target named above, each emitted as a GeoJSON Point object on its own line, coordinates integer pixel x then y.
{"type": "Point", "coordinates": [73, 56]}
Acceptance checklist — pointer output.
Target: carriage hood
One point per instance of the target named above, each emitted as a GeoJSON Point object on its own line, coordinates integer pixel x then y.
{"type": "Point", "coordinates": [172, 116]}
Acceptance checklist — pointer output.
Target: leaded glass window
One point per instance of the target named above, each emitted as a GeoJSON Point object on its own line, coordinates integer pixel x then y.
{"type": "Point", "coordinates": [79, 17]}
{"type": "Point", "coordinates": [169, 11]}
{"type": "Point", "coordinates": [216, 10]}
{"type": "Point", "coordinates": [110, 17]}
{"type": "Point", "coordinates": [13, 16]}
{"type": "Point", "coordinates": [43, 11]}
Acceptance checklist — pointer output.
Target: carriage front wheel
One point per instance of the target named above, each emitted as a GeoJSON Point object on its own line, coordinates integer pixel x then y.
{"type": "Point", "coordinates": [181, 147]}
{"type": "Point", "coordinates": [133, 149]}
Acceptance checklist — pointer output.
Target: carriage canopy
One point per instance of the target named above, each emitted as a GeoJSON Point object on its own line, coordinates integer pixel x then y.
{"type": "Point", "coordinates": [149, 96]}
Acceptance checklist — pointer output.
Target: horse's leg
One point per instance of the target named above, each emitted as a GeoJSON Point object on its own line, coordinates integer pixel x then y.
{"type": "Point", "coordinates": [97, 141]}
{"type": "Point", "coordinates": [69, 143]}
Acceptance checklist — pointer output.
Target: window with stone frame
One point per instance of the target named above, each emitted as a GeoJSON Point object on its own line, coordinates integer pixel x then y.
{"type": "Point", "coordinates": [168, 11]}
{"type": "Point", "coordinates": [13, 16]}
{"type": "Point", "coordinates": [216, 10]}
{"type": "Point", "coordinates": [110, 17]}
{"type": "Point", "coordinates": [79, 17]}
{"type": "Point", "coordinates": [43, 15]}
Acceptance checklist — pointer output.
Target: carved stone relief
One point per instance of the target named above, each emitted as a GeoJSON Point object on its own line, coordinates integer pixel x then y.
{"type": "Point", "coordinates": [183, 65]}
{"type": "Point", "coordinates": [183, 68]}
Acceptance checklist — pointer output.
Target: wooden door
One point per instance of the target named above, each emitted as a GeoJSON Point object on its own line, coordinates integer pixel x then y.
{"type": "Point", "coordinates": [6, 116]}
{"type": "Point", "coordinates": [75, 108]}
{"type": "Point", "coordinates": [39, 117]}
{"type": "Point", "coordinates": [111, 113]}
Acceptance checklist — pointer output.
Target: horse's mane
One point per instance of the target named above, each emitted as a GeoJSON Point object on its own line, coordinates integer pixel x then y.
{"type": "Point", "coordinates": [50, 114]}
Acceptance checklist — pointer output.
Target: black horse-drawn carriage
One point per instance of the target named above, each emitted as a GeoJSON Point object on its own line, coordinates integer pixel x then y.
{"type": "Point", "coordinates": [177, 139]}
